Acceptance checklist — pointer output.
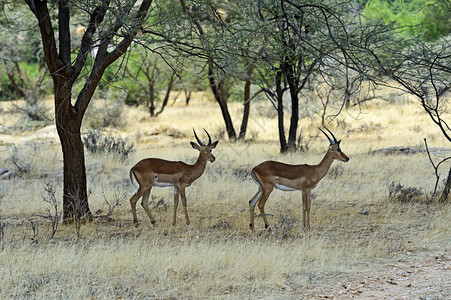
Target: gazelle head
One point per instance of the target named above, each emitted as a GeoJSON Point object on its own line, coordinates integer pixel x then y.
{"type": "Point", "coordinates": [334, 147]}
{"type": "Point", "coordinates": [205, 149]}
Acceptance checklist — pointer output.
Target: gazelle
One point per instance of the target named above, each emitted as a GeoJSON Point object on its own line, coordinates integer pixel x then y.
{"type": "Point", "coordinates": [151, 172]}
{"type": "Point", "coordinates": [272, 174]}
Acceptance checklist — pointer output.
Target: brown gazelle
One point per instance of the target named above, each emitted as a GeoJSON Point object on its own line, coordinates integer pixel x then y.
{"type": "Point", "coordinates": [272, 174]}
{"type": "Point", "coordinates": [158, 172]}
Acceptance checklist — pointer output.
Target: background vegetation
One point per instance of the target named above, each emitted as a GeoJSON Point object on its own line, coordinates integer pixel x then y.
{"type": "Point", "coordinates": [260, 76]}
{"type": "Point", "coordinates": [362, 226]}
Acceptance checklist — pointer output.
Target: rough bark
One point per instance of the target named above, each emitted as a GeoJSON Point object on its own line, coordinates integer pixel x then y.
{"type": "Point", "coordinates": [279, 95]}
{"type": "Point", "coordinates": [151, 104]}
{"type": "Point", "coordinates": [247, 104]}
{"type": "Point", "coordinates": [168, 93]}
{"type": "Point", "coordinates": [187, 96]}
{"type": "Point", "coordinates": [219, 97]}
{"type": "Point", "coordinates": [444, 197]}
{"type": "Point", "coordinates": [294, 120]}
{"type": "Point", "coordinates": [75, 198]}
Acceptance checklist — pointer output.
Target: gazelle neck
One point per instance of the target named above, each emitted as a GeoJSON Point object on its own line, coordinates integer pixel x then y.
{"type": "Point", "coordinates": [198, 167]}
{"type": "Point", "coordinates": [324, 165]}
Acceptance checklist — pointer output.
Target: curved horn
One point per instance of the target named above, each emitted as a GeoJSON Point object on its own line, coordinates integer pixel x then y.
{"type": "Point", "coordinates": [331, 134]}
{"type": "Point", "coordinates": [330, 140]}
{"type": "Point", "coordinates": [209, 137]}
{"type": "Point", "coordinates": [199, 141]}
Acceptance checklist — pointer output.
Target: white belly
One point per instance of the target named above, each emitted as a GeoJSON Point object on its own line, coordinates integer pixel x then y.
{"type": "Point", "coordinates": [284, 188]}
{"type": "Point", "coordinates": [161, 183]}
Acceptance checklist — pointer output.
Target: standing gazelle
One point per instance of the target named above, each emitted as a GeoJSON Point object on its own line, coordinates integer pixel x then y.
{"type": "Point", "coordinates": [272, 174]}
{"type": "Point", "coordinates": [151, 172]}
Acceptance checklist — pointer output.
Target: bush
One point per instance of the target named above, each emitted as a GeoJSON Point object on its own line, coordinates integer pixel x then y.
{"type": "Point", "coordinates": [401, 193]}
{"type": "Point", "coordinates": [19, 160]}
{"type": "Point", "coordinates": [98, 144]}
{"type": "Point", "coordinates": [107, 115]}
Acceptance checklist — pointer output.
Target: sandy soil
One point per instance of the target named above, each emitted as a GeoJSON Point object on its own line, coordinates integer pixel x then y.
{"type": "Point", "coordinates": [416, 277]}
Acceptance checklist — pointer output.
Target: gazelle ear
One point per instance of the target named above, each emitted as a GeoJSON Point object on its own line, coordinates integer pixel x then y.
{"type": "Point", "coordinates": [195, 146]}
{"type": "Point", "coordinates": [212, 146]}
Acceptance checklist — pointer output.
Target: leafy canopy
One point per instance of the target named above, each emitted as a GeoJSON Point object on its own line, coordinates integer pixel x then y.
{"type": "Point", "coordinates": [428, 19]}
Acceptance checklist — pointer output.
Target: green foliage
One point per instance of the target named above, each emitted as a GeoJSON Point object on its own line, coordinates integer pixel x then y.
{"type": "Point", "coordinates": [428, 19]}
{"type": "Point", "coordinates": [21, 55]}
{"type": "Point", "coordinates": [146, 74]}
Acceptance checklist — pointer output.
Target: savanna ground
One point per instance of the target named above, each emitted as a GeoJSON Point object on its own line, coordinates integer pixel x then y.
{"type": "Point", "coordinates": [362, 244]}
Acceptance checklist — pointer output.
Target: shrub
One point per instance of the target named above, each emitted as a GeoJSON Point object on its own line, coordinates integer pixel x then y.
{"type": "Point", "coordinates": [96, 143]}
{"type": "Point", "coordinates": [404, 194]}
{"type": "Point", "coordinates": [19, 161]}
{"type": "Point", "coordinates": [107, 115]}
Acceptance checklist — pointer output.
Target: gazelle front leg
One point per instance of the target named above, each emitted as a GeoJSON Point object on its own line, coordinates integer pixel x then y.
{"type": "Point", "coordinates": [176, 204]}
{"type": "Point", "coordinates": [185, 209]}
{"type": "Point", "coordinates": [306, 204]}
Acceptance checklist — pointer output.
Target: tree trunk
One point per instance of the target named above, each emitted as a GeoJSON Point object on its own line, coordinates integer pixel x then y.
{"type": "Point", "coordinates": [247, 104]}
{"type": "Point", "coordinates": [444, 197]}
{"type": "Point", "coordinates": [187, 96]}
{"type": "Point", "coordinates": [279, 92]}
{"type": "Point", "coordinates": [294, 120]}
{"type": "Point", "coordinates": [168, 92]}
{"type": "Point", "coordinates": [68, 125]}
{"type": "Point", "coordinates": [219, 97]}
{"type": "Point", "coordinates": [151, 105]}
{"type": "Point", "coordinates": [75, 198]}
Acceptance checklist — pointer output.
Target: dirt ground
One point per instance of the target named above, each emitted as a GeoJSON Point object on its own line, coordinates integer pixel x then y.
{"type": "Point", "coordinates": [416, 277]}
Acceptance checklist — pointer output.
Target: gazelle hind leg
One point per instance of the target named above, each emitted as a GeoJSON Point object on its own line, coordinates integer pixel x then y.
{"type": "Point", "coordinates": [252, 204]}
{"type": "Point", "coordinates": [145, 205]}
{"type": "Point", "coordinates": [133, 201]}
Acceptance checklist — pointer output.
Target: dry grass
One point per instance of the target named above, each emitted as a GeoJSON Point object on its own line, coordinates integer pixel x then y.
{"type": "Point", "coordinates": [217, 256]}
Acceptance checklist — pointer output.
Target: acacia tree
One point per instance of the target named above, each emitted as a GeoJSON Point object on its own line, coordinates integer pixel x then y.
{"type": "Point", "coordinates": [303, 41]}
{"type": "Point", "coordinates": [149, 76]}
{"type": "Point", "coordinates": [217, 79]}
{"type": "Point", "coordinates": [205, 31]}
{"type": "Point", "coordinates": [421, 69]}
{"type": "Point", "coordinates": [111, 27]}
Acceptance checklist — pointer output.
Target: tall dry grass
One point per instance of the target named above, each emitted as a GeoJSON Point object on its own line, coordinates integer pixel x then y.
{"type": "Point", "coordinates": [217, 256]}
